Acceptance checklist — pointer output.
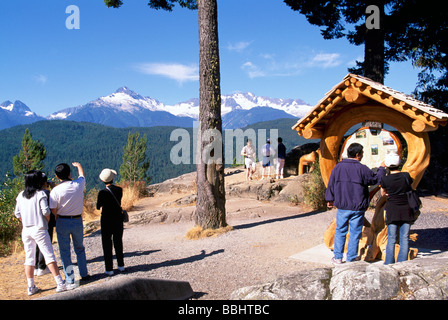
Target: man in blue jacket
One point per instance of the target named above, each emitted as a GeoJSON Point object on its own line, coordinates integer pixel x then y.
{"type": "Point", "coordinates": [348, 191]}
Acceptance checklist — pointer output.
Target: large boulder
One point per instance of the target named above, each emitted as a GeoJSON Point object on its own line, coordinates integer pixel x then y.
{"type": "Point", "coordinates": [185, 183]}
{"type": "Point", "coordinates": [128, 288]}
{"type": "Point", "coordinates": [305, 285]}
{"type": "Point", "coordinates": [418, 279]}
{"type": "Point", "coordinates": [364, 281]}
{"type": "Point", "coordinates": [262, 190]}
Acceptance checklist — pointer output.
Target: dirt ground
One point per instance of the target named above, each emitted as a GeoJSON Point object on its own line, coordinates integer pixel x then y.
{"type": "Point", "coordinates": [167, 237]}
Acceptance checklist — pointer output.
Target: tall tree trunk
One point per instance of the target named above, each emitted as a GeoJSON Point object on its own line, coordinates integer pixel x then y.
{"type": "Point", "coordinates": [374, 47]}
{"type": "Point", "coordinates": [210, 205]}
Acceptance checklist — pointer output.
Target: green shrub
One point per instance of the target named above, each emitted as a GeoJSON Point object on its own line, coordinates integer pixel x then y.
{"type": "Point", "coordinates": [10, 226]}
{"type": "Point", "coordinates": [314, 189]}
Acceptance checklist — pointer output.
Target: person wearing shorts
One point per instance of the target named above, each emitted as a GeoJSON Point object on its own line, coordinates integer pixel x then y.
{"type": "Point", "coordinates": [268, 156]}
{"type": "Point", "coordinates": [248, 152]}
{"type": "Point", "coordinates": [33, 211]}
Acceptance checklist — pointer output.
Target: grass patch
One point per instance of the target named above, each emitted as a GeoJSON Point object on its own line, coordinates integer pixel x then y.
{"type": "Point", "coordinates": [314, 189]}
{"type": "Point", "coordinates": [198, 232]}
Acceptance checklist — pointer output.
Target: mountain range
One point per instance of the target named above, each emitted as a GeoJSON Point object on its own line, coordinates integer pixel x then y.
{"type": "Point", "coordinates": [16, 113]}
{"type": "Point", "coordinates": [126, 108]}
{"type": "Point", "coordinates": [97, 146]}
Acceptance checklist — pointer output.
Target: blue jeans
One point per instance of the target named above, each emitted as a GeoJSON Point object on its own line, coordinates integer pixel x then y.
{"type": "Point", "coordinates": [344, 220]}
{"type": "Point", "coordinates": [392, 230]}
{"type": "Point", "coordinates": [74, 228]}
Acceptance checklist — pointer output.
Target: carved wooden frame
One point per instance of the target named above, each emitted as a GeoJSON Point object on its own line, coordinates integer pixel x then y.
{"type": "Point", "coordinates": [419, 148]}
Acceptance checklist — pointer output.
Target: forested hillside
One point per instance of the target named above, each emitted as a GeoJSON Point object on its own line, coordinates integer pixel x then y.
{"type": "Point", "coordinates": [97, 146]}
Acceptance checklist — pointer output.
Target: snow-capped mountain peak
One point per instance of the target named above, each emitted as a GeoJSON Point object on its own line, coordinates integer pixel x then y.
{"type": "Point", "coordinates": [126, 108]}
{"type": "Point", "coordinates": [122, 100]}
{"type": "Point", "coordinates": [127, 100]}
{"type": "Point", "coordinates": [248, 100]}
{"type": "Point", "coordinates": [243, 101]}
{"type": "Point", "coordinates": [7, 105]}
{"type": "Point", "coordinates": [18, 108]}
{"type": "Point", "coordinates": [14, 113]}
{"type": "Point", "coordinates": [129, 92]}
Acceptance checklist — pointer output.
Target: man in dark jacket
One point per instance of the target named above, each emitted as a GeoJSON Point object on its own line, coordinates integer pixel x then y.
{"type": "Point", "coordinates": [348, 191]}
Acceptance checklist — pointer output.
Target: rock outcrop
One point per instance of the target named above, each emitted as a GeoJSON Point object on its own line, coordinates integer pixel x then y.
{"type": "Point", "coordinates": [419, 279]}
{"type": "Point", "coordinates": [129, 288]}
{"type": "Point", "coordinates": [183, 192]}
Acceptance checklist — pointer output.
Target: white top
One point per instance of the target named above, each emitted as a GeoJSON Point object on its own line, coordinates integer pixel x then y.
{"type": "Point", "coordinates": [68, 197]}
{"type": "Point", "coordinates": [248, 151]}
{"type": "Point", "coordinates": [32, 211]}
{"type": "Point", "coordinates": [267, 147]}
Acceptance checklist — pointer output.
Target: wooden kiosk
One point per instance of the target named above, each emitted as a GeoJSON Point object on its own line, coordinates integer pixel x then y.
{"type": "Point", "coordinates": [357, 100]}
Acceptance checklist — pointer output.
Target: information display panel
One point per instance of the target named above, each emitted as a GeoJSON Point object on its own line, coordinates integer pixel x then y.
{"type": "Point", "coordinates": [377, 144]}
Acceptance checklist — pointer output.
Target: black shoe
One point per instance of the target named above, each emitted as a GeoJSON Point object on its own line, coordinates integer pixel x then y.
{"type": "Point", "coordinates": [86, 278]}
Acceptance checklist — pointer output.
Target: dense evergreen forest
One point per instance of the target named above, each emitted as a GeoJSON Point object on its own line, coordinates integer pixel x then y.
{"type": "Point", "coordinates": [97, 147]}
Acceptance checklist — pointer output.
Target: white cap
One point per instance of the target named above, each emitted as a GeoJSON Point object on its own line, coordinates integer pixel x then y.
{"type": "Point", "coordinates": [392, 160]}
{"type": "Point", "coordinates": [108, 175]}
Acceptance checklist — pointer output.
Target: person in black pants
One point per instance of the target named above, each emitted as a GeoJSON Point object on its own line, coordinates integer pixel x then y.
{"type": "Point", "coordinates": [399, 216]}
{"type": "Point", "coordinates": [109, 201]}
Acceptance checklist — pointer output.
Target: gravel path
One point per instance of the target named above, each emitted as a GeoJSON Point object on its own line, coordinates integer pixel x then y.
{"type": "Point", "coordinates": [256, 251]}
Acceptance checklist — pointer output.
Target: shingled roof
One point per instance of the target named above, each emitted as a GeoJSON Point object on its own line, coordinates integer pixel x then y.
{"type": "Point", "coordinates": [357, 90]}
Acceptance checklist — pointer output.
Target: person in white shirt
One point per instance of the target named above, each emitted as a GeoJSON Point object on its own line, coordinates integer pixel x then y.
{"type": "Point", "coordinates": [66, 203]}
{"type": "Point", "coordinates": [249, 159]}
{"type": "Point", "coordinates": [33, 211]}
{"type": "Point", "coordinates": [268, 158]}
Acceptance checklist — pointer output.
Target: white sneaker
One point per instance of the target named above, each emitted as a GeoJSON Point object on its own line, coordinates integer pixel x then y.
{"type": "Point", "coordinates": [120, 269]}
{"type": "Point", "coordinates": [71, 286]}
{"type": "Point", "coordinates": [61, 287]}
{"type": "Point", "coordinates": [32, 290]}
{"type": "Point", "coordinates": [109, 273]}
{"type": "Point", "coordinates": [336, 261]}
{"type": "Point", "coordinates": [41, 272]}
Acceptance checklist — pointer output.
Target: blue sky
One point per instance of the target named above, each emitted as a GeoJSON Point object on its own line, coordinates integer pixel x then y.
{"type": "Point", "coordinates": [265, 48]}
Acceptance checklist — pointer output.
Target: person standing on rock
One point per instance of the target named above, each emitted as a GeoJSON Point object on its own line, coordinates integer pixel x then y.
{"type": "Point", "coordinates": [281, 158]}
{"type": "Point", "coordinates": [268, 158]}
{"type": "Point", "coordinates": [348, 191]}
{"type": "Point", "coordinates": [248, 152]}
{"type": "Point", "coordinates": [109, 201]}
{"type": "Point", "coordinates": [33, 211]}
{"type": "Point", "coordinates": [399, 215]}
{"type": "Point", "coordinates": [67, 204]}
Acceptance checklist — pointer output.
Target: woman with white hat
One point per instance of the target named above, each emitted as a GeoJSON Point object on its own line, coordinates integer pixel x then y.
{"type": "Point", "coordinates": [109, 201]}
{"type": "Point", "coordinates": [399, 215]}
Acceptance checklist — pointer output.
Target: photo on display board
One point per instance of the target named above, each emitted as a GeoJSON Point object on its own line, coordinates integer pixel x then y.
{"type": "Point", "coordinates": [374, 148]}
{"type": "Point", "coordinates": [361, 134]}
